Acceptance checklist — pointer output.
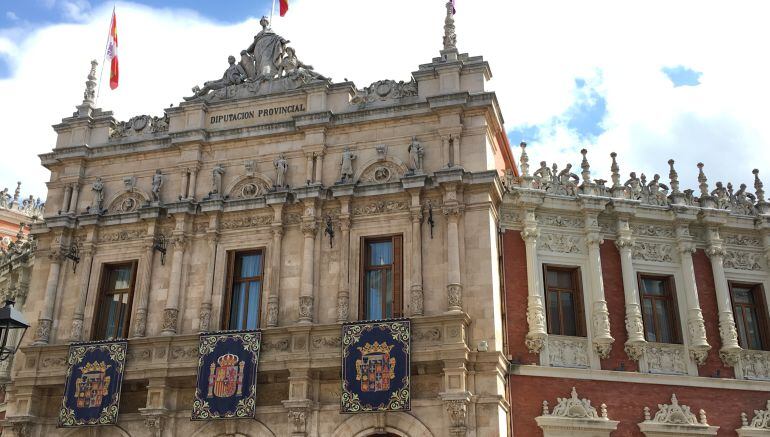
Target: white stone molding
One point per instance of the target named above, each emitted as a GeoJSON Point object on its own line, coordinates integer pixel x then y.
{"type": "Point", "coordinates": [559, 243]}
{"type": "Point", "coordinates": [600, 335]}
{"type": "Point", "coordinates": [729, 351]}
{"type": "Point", "coordinates": [655, 252]}
{"type": "Point", "coordinates": [674, 420]}
{"type": "Point", "coordinates": [536, 333]}
{"type": "Point", "coordinates": [759, 425]}
{"type": "Point", "coordinates": [565, 351]}
{"type": "Point", "coordinates": [634, 322]}
{"type": "Point", "coordinates": [306, 298]}
{"type": "Point", "coordinates": [573, 416]}
{"type": "Point", "coordinates": [753, 364]}
{"type": "Point", "coordinates": [664, 358]}
{"type": "Point", "coordinates": [696, 327]}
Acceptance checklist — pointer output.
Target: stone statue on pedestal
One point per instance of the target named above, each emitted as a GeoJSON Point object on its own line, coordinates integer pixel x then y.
{"type": "Point", "coordinates": [4, 198]}
{"type": "Point", "coordinates": [346, 172]}
{"type": "Point", "coordinates": [416, 154]}
{"type": "Point", "coordinates": [216, 180]}
{"type": "Point", "coordinates": [234, 75]}
{"type": "Point", "coordinates": [157, 182]}
{"type": "Point", "coordinates": [266, 51]}
{"type": "Point", "coordinates": [281, 167]}
{"type": "Point", "coordinates": [98, 189]}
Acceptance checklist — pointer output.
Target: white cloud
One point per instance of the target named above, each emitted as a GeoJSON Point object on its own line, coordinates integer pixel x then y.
{"type": "Point", "coordinates": [11, 15]}
{"type": "Point", "coordinates": [536, 50]}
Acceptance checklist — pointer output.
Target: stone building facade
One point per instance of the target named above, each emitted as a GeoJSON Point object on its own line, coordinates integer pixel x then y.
{"type": "Point", "coordinates": [636, 306]}
{"type": "Point", "coordinates": [304, 175]}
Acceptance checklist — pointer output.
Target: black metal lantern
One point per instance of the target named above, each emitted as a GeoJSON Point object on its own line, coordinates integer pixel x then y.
{"type": "Point", "coordinates": [11, 321]}
{"type": "Point", "coordinates": [159, 244]}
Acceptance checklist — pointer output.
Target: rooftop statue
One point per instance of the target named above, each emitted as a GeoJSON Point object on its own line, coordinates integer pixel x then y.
{"type": "Point", "coordinates": [268, 65]}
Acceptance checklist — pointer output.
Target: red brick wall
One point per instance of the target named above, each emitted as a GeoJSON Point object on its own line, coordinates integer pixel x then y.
{"type": "Point", "coordinates": [626, 401]}
{"type": "Point", "coordinates": [612, 275]}
{"type": "Point", "coordinates": [704, 278]}
{"type": "Point", "coordinates": [515, 277]}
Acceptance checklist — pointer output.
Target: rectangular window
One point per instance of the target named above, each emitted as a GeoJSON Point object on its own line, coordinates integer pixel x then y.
{"type": "Point", "coordinates": [750, 315]}
{"type": "Point", "coordinates": [381, 278]}
{"type": "Point", "coordinates": [115, 297]}
{"type": "Point", "coordinates": [564, 301]}
{"type": "Point", "coordinates": [243, 302]}
{"type": "Point", "coordinates": [658, 309]}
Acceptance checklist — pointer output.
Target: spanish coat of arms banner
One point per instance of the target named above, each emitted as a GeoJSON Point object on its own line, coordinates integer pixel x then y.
{"type": "Point", "coordinates": [376, 357]}
{"type": "Point", "coordinates": [94, 379]}
{"type": "Point", "coordinates": [227, 375]}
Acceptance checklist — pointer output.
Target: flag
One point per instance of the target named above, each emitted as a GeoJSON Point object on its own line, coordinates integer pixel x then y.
{"type": "Point", "coordinates": [284, 7]}
{"type": "Point", "coordinates": [112, 52]}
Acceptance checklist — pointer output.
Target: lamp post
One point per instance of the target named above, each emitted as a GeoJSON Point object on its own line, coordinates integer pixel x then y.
{"type": "Point", "coordinates": [11, 321]}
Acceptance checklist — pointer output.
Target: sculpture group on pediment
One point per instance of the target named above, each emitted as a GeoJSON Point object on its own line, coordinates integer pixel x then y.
{"type": "Point", "coordinates": [268, 59]}
{"type": "Point", "coordinates": [385, 90]}
{"type": "Point", "coordinates": [31, 206]}
{"type": "Point", "coordinates": [139, 125]}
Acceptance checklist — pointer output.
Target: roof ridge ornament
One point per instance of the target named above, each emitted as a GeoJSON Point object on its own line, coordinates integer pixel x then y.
{"type": "Point", "coordinates": [89, 95]}
{"type": "Point", "coordinates": [449, 53]}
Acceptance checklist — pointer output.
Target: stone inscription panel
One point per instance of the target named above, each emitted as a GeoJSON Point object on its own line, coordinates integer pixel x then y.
{"type": "Point", "coordinates": [255, 114]}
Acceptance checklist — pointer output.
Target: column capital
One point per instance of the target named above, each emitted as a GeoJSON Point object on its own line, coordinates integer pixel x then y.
{"type": "Point", "coordinates": [309, 227]}
{"type": "Point", "coordinates": [530, 234]}
{"type": "Point", "coordinates": [625, 243]}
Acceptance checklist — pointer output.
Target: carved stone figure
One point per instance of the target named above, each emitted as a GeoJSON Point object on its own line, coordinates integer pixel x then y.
{"type": "Point", "coordinates": [569, 180]}
{"type": "Point", "coordinates": [157, 182]}
{"type": "Point", "coordinates": [292, 67]}
{"type": "Point", "coordinates": [633, 187]}
{"type": "Point", "coordinates": [385, 90]}
{"type": "Point", "coordinates": [416, 154]}
{"type": "Point", "coordinates": [16, 194]}
{"type": "Point", "coordinates": [721, 196]}
{"type": "Point", "coordinates": [655, 195]}
{"type": "Point", "coordinates": [98, 189]}
{"type": "Point", "coordinates": [281, 167]}
{"type": "Point", "coordinates": [247, 63]}
{"type": "Point", "coordinates": [216, 180]}
{"type": "Point", "coordinates": [543, 175]}
{"type": "Point", "coordinates": [234, 75]}
{"type": "Point", "coordinates": [266, 50]}
{"type": "Point", "coordinates": [346, 173]}
{"type": "Point", "coordinates": [4, 198]}
{"type": "Point", "coordinates": [744, 202]}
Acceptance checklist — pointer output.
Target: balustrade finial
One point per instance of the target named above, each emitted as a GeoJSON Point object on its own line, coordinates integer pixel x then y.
{"type": "Point", "coordinates": [702, 185]}
{"type": "Point", "coordinates": [586, 173]}
{"type": "Point", "coordinates": [758, 186]}
{"type": "Point", "coordinates": [673, 176]}
{"type": "Point", "coordinates": [524, 160]}
{"type": "Point", "coordinates": [615, 168]}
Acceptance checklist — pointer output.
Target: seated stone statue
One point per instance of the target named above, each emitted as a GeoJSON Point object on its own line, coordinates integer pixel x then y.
{"type": "Point", "coordinates": [292, 67]}
{"type": "Point", "coordinates": [234, 75]}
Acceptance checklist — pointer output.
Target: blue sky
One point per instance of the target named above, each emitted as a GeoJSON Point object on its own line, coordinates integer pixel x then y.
{"type": "Point", "coordinates": [567, 74]}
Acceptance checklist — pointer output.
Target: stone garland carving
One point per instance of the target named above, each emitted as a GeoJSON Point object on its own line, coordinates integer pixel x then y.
{"type": "Point", "coordinates": [124, 235]}
{"type": "Point", "coordinates": [184, 353]}
{"type": "Point", "coordinates": [326, 342]}
{"type": "Point", "coordinates": [761, 419]}
{"type": "Point", "coordinates": [170, 316]}
{"type": "Point", "coordinates": [298, 419]}
{"type": "Point", "coordinates": [429, 335]}
{"type": "Point", "coordinates": [139, 125]}
{"type": "Point", "coordinates": [742, 240]}
{"type": "Point", "coordinates": [560, 221]}
{"type": "Point", "coordinates": [567, 351]}
{"type": "Point", "coordinates": [385, 90]}
{"type": "Point", "coordinates": [652, 252]}
{"type": "Point", "coordinates": [675, 414]}
{"type": "Point", "coordinates": [458, 412]}
{"type": "Point", "coordinates": [742, 260]}
{"type": "Point", "coordinates": [247, 222]}
{"type": "Point", "coordinates": [280, 345]}
{"type": "Point", "coordinates": [575, 408]}
{"type": "Point", "coordinates": [381, 172]}
{"type": "Point", "coordinates": [755, 365]}
{"type": "Point", "coordinates": [559, 243]}
{"type": "Point", "coordinates": [652, 231]}
{"type": "Point", "coordinates": [381, 207]}
{"type": "Point", "coordinates": [306, 307]}
{"type": "Point", "coordinates": [665, 358]}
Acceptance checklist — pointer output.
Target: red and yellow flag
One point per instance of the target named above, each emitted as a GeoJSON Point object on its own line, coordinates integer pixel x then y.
{"type": "Point", "coordinates": [284, 7]}
{"type": "Point", "coordinates": [112, 52]}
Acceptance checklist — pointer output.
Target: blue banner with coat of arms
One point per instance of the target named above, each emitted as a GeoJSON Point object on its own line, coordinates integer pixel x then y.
{"type": "Point", "coordinates": [93, 384]}
{"type": "Point", "coordinates": [376, 357]}
{"type": "Point", "coordinates": [227, 375]}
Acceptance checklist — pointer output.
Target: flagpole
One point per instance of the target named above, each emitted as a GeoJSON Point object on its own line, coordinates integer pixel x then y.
{"type": "Point", "coordinates": [272, 9]}
{"type": "Point", "coordinates": [104, 58]}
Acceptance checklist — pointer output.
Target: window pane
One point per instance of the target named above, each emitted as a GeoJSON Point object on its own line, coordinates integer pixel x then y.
{"type": "Point", "coordinates": [380, 253]}
{"type": "Point", "coordinates": [253, 310]}
{"type": "Point", "coordinates": [111, 316]}
{"type": "Point", "coordinates": [388, 293]}
{"type": "Point", "coordinates": [568, 314]}
{"type": "Point", "coordinates": [251, 265]}
{"type": "Point", "coordinates": [564, 279]}
{"type": "Point", "coordinates": [664, 321]}
{"type": "Point", "coordinates": [649, 321]}
{"type": "Point", "coordinates": [553, 313]}
{"type": "Point", "coordinates": [237, 306]}
{"type": "Point", "coordinates": [552, 278]}
{"type": "Point", "coordinates": [121, 279]}
{"type": "Point", "coordinates": [374, 293]}
{"type": "Point", "coordinates": [740, 324]}
{"type": "Point", "coordinates": [752, 328]}
{"type": "Point", "coordinates": [743, 295]}
{"type": "Point", "coordinates": [654, 287]}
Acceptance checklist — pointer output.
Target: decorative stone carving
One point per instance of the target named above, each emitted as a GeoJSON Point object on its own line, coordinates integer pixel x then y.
{"type": "Point", "coordinates": [567, 351]}
{"type": "Point", "coordinates": [235, 74]}
{"type": "Point", "coordinates": [455, 296]}
{"type": "Point", "coordinates": [157, 183]}
{"type": "Point", "coordinates": [247, 222]}
{"type": "Point", "coordinates": [297, 420]}
{"type": "Point", "coordinates": [559, 243]}
{"type": "Point", "coordinates": [384, 90]}
{"type": "Point", "coordinates": [742, 240]}
{"type": "Point", "coordinates": [450, 36]}
{"type": "Point", "coordinates": [381, 207]}
{"type": "Point", "coordinates": [327, 342]}
{"type": "Point", "coordinates": [560, 221]}
{"type": "Point", "coordinates": [98, 188]}
{"type": "Point", "coordinates": [281, 167]}
{"type": "Point", "coordinates": [761, 420]}
{"type": "Point", "coordinates": [754, 365]}
{"type": "Point", "coordinates": [249, 188]}
{"type": "Point", "coordinates": [665, 358]}
{"type": "Point", "coordinates": [646, 230]}
{"type": "Point", "coordinates": [138, 126]}
{"type": "Point", "coordinates": [417, 300]}
{"type": "Point", "coordinates": [76, 330]}
{"type": "Point", "coordinates": [381, 172]}
{"type": "Point", "coordinates": [272, 311]}
{"type": "Point", "coordinates": [576, 408]}
{"type": "Point", "coordinates": [124, 235]}
{"type": "Point", "coordinates": [346, 166]}
{"type": "Point", "coordinates": [43, 333]}
{"type": "Point", "coordinates": [656, 252]}
{"type": "Point", "coordinates": [204, 318]}
{"type": "Point", "coordinates": [126, 203]}
{"type": "Point", "coordinates": [216, 180]}
{"type": "Point", "coordinates": [672, 413]}
{"type": "Point", "coordinates": [170, 319]}
{"type": "Point", "coordinates": [306, 307]}
{"type": "Point", "coordinates": [416, 155]}
{"type": "Point", "coordinates": [429, 335]}
{"type": "Point", "coordinates": [281, 345]}
{"type": "Point", "coordinates": [740, 260]}
{"type": "Point", "coordinates": [457, 411]}
{"type": "Point", "coordinates": [343, 307]}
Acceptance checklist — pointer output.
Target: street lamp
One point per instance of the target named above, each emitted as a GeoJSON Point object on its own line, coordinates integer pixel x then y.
{"type": "Point", "coordinates": [10, 321]}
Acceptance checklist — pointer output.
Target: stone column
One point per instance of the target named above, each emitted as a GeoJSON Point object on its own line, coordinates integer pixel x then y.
{"type": "Point", "coordinates": [309, 167]}
{"type": "Point", "coordinates": [537, 332]}
{"type": "Point", "coordinates": [308, 250]}
{"type": "Point", "coordinates": [343, 294]}
{"type": "Point", "coordinates": [144, 286]}
{"type": "Point", "coordinates": [730, 350]}
{"type": "Point", "coordinates": [696, 328]}
{"type": "Point", "coordinates": [65, 204]}
{"type": "Point", "coordinates": [298, 404]}
{"type": "Point", "coordinates": [184, 180]}
{"type": "Point", "coordinates": [455, 142]}
{"type": "Point", "coordinates": [273, 307]}
{"type": "Point", "coordinates": [416, 292]}
{"type": "Point", "coordinates": [193, 182]}
{"type": "Point", "coordinates": [204, 315]}
{"type": "Point", "coordinates": [454, 287]}
{"type": "Point", "coordinates": [171, 312]}
{"type": "Point", "coordinates": [319, 164]}
{"type": "Point", "coordinates": [602, 339]}
{"type": "Point", "coordinates": [76, 331]}
{"type": "Point", "coordinates": [44, 322]}
{"type": "Point", "coordinates": [445, 151]}
{"type": "Point", "coordinates": [635, 341]}
{"type": "Point", "coordinates": [73, 207]}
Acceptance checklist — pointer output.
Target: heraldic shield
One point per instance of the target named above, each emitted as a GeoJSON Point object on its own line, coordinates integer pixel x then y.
{"type": "Point", "coordinates": [376, 357]}
{"type": "Point", "coordinates": [227, 375]}
{"type": "Point", "coordinates": [94, 379]}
